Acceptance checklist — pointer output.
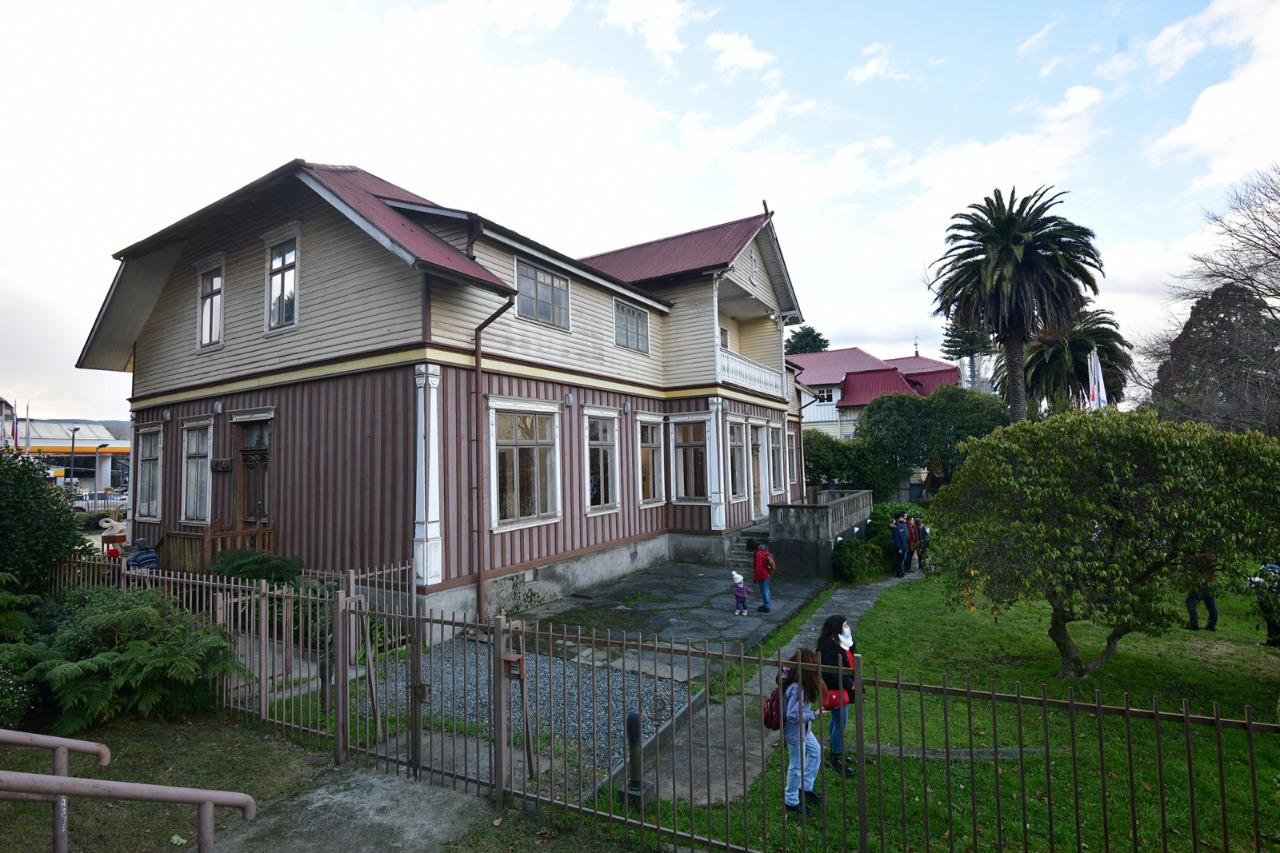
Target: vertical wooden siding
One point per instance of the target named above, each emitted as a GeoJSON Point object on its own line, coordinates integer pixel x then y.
{"type": "Point", "coordinates": [342, 467]}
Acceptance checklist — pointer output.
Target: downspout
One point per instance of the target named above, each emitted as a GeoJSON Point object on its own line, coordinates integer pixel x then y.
{"type": "Point", "coordinates": [482, 448]}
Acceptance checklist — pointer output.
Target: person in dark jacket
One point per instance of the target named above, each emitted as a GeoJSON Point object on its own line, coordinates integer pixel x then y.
{"type": "Point", "coordinates": [901, 543]}
{"type": "Point", "coordinates": [924, 541]}
{"type": "Point", "coordinates": [1194, 597]}
{"type": "Point", "coordinates": [836, 649]}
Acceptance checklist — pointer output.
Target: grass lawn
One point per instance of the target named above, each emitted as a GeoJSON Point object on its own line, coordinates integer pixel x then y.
{"type": "Point", "coordinates": [915, 629]}
{"type": "Point", "coordinates": [204, 752]}
{"type": "Point", "coordinates": [553, 831]}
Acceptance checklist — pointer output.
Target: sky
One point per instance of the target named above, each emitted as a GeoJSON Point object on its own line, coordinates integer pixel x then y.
{"type": "Point", "coordinates": [593, 125]}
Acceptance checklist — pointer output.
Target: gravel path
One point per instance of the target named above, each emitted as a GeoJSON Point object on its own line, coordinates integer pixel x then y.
{"type": "Point", "coordinates": [568, 700]}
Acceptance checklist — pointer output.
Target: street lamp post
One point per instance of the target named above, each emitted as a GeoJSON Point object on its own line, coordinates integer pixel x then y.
{"type": "Point", "coordinates": [97, 466]}
{"type": "Point", "coordinates": [71, 475]}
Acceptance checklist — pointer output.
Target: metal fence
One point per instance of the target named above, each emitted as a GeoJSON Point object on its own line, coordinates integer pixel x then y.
{"type": "Point", "coordinates": [540, 713]}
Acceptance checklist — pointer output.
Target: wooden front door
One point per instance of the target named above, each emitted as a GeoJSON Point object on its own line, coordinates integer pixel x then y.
{"type": "Point", "coordinates": [255, 473]}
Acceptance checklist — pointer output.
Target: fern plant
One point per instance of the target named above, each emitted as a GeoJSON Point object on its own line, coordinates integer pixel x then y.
{"type": "Point", "coordinates": [15, 607]}
{"type": "Point", "coordinates": [110, 652]}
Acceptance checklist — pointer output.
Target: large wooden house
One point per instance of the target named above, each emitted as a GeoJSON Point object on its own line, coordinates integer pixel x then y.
{"type": "Point", "coordinates": [307, 351]}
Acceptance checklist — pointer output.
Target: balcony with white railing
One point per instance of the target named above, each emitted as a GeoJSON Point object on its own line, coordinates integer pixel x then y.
{"type": "Point", "coordinates": [752, 375]}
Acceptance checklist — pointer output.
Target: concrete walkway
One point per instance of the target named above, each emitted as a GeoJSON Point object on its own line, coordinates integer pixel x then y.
{"type": "Point", "coordinates": [721, 753]}
{"type": "Point", "coordinates": [360, 808]}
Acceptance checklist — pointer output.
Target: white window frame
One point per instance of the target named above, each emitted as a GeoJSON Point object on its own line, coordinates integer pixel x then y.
{"type": "Point", "coordinates": [542, 407]}
{"type": "Point", "coordinates": [744, 475]}
{"type": "Point", "coordinates": [825, 395]}
{"type": "Point", "coordinates": [724, 337]}
{"type": "Point", "coordinates": [777, 484]}
{"type": "Point", "coordinates": [618, 303]}
{"type": "Point", "coordinates": [659, 470]}
{"type": "Point", "coordinates": [206, 425]}
{"type": "Point", "coordinates": [709, 423]}
{"type": "Point", "coordinates": [791, 458]}
{"type": "Point", "coordinates": [147, 429]}
{"type": "Point", "coordinates": [290, 231]}
{"type": "Point", "coordinates": [215, 261]}
{"type": "Point", "coordinates": [517, 260]}
{"type": "Point", "coordinates": [615, 504]}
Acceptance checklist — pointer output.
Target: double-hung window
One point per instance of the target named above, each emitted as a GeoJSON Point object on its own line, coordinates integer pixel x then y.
{"type": "Point", "coordinates": [147, 494]}
{"type": "Point", "coordinates": [282, 284]}
{"type": "Point", "coordinates": [649, 463]}
{"type": "Point", "coordinates": [824, 395]}
{"type": "Point", "coordinates": [526, 463]}
{"type": "Point", "coordinates": [775, 458]}
{"type": "Point", "coordinates": [690, 452]}
{"type": "Point", "coordinates": [195, 472]}
{"type": "Point", "coordinates": [543, 296]}
{"type": "Point", "coordinates": [791, 458]}
{"type": "Point", "coordinates": [737, 461]}
{"type": "Point", "coordinates": [630, 327]}
{"type": "Point", "coordinates": [209, 313]}
{"type": "Point", "coordinates": [602, 460]}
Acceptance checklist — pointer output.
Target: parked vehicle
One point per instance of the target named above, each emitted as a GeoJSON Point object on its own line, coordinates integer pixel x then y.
{"type": "Point", "coordinates": [99, 502]}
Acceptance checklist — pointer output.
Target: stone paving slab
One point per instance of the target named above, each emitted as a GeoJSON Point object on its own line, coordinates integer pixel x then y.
{"type": "Point", "coordinates": [677, 601]}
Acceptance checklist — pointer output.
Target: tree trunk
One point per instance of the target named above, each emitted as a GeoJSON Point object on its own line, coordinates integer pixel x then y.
{"type": "Point", "coordinates": [1072, 666]}
{"type": "Point", "coordinates": [1015, 378]}
{"type": "Point", "coordinates": [973, 371]}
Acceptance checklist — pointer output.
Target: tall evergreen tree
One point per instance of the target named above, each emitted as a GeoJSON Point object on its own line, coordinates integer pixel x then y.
{"type": "Point", "coordinates": [806, 339]}
{"type": "Point", "coordinates": [958, 343]}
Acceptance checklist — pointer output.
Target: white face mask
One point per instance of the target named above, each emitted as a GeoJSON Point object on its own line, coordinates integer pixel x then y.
{"type": "Point", "coordinates": [846, 637]}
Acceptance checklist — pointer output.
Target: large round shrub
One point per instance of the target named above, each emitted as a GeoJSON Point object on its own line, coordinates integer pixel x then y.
{"type": "Point", "coordinates": [38, 530]}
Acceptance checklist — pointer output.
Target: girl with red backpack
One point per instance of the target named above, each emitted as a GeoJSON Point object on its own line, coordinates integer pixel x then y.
{"type": "Point", "coordinates": [800, 689]}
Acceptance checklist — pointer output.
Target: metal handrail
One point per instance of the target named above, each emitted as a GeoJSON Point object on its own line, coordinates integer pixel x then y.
{"type": "Point", "coordinates": [60, 746]}
{"type": "Point", "coordinates": [107, 789]}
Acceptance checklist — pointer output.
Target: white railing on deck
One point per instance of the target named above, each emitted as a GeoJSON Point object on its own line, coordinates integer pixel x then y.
{"type": "Point", "coordinates": [749, 374]}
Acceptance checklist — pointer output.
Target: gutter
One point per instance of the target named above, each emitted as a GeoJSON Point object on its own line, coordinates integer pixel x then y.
{"type": "Point", "coordinates": [481, 453]}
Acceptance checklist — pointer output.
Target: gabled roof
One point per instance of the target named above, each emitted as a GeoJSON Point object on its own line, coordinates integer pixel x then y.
{"type": "Point", "coordinates": [913, 364]}
{"type": "Point", "coordinates": [925, 374]}
{"type": "Point", "coordinates": [363, 198]}
{"type": "Point", "coordinates": [859, 389]}
{"type": "Point", "coordinates": [692, 252]}
{"type": "Point", "coordinates": [831, 366]}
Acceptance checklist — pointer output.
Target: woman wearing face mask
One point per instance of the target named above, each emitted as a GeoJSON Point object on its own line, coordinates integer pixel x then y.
{"type": "Point", "coordinates": [837, 648]}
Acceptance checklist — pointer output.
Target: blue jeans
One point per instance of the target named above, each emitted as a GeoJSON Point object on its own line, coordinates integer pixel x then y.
{"type": "Point", "coordinates": [839, 719]}
{"type": "Point", "coordinates": [905, 565]}
{"type": "Point", "coordinates": [766, 596]}
{"type": "Point", "coordinates": [798, 776]}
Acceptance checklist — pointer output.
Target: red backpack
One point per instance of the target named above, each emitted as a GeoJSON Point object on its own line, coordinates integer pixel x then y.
{"type": "Point", "coordinates": [773, 711]}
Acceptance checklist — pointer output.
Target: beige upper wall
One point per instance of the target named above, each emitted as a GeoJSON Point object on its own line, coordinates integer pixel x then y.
{"type": "Point", "coordinates": [761, 341]}
{"type": "Point", "coordinates": [757, 283]}
{"type": "Point", "coordinates": [589, 344]}
{"type": "Point", "coordinates": [353, 296]}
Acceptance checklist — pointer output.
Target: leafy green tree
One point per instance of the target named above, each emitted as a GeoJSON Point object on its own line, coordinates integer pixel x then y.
{"type": "Point", "coordinates": [851, 462]}
{"type": "Point", "coordinates": [953, 415]}
{"type": "Point", "coordinates": [1057, 365]}
{"type": "Point", "coordinates": [1012, 268]}
{"type": "Point", "coordinates": [37, 527]}
{"type": "Point", "coordinates": [1107, 517]}
{"type": "Point", "coordinates": [806, 339]}
{"type": "Point", "coordinates": [958, 343]}
{"type": "Point", "coordinates": [894, 424]}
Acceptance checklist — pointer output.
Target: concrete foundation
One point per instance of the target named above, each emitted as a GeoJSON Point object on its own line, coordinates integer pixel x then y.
{"type": "Point", "coordinates": [691, 548]}
{"type": "Point", "coordinates": [532, 587]}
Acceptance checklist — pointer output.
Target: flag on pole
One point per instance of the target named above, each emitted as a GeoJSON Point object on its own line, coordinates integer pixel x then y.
{"type": "Point", "coordinates": [1097, 385]}
{"type": "Point", "coordinates": [16, 447]}
{"type": "Point", "coordinates": [28, 447]}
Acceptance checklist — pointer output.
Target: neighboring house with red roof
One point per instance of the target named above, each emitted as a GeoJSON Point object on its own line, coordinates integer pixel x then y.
{"type": "Point", "coordinates": [845, 380]}
{"type": "Point", "coordinates": [383, 379]}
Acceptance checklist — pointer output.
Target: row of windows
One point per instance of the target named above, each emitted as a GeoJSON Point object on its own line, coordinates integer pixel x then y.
{"type": "Point", "coordinates": [543, 297]}
{"type": "Point", "coordinates": [197, 440]}
{"type": "Point", "coordinates": [526, 453]}
{"type": "Point", "coordinates": [281, 295]}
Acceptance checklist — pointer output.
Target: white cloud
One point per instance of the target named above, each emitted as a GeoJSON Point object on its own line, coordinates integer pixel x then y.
{"type": "Point", "coordinates": [1051, 66]}
{"type": "Point", "coordinates": [737, 52]}
{"type": "Point", "coordinates": [1075, 101]}
{"type": "Point", "coordinates": [1032, 41]}
{"type": "Point", "coordinates": [878, 62]}
{"type": "Point", "coordinates": [658, 21]}
{"type": "Point", "coordinates": [1233, 126]}
{"type": "Point", "coordinates": [1224, 23]}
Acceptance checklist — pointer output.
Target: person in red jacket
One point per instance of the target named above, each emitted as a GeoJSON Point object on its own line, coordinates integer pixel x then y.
{"type": "Point", "coordinates": [765, 566]}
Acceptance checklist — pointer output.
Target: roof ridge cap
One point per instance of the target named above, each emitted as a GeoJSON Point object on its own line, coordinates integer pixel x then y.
{"type": "Point", "coordinates": [672, 236]}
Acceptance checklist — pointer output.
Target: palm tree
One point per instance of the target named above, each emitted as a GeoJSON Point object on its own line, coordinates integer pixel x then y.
{"type": "Point", "coordinates": [1057, 363]}
{"type": "Point", "coordinates": [1012, 269]}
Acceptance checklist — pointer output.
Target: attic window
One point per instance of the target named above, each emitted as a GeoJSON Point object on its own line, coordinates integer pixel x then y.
{"type": "Point", "coordinates": [824, 394]}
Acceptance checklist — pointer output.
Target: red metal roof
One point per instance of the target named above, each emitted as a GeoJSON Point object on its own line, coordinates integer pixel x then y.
{"type": "Point", "coordinates": [927, 373]}
{"type": "Point", "coordinates": [365, 194]}
{"type": "Point", "coordinates": [913, 364]}
{"type": "Point", "coordinates": [830, 367]}
{"type": "Point", "coordinates": [693, 251]}
{"type": "Point", "coordinates": [858, 389]}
